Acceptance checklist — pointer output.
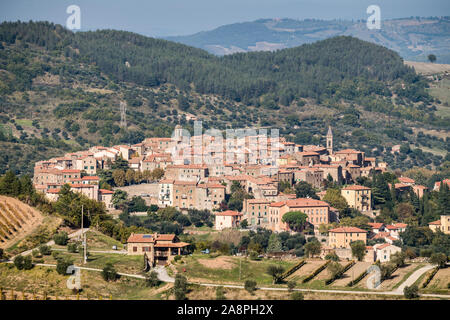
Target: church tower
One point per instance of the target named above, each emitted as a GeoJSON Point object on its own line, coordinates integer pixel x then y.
{"type": "Point", "coordinates": [330, 141]}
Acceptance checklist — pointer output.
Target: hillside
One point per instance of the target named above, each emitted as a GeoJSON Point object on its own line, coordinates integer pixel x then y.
{"type": "Point", "coordinates": [61, 92]}
{"type": "Point", "coordinates": [17, 220]}
{"type": "Point", "coordinates": [413, 38]}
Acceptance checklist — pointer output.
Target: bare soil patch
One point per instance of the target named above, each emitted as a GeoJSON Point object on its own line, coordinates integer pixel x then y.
{"type": "Point", "coordinates": [218, 263]}
{"type": "Point", "coordinates": [352, 273]}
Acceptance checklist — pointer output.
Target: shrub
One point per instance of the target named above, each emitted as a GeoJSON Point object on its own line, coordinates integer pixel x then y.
{"type": "Point", "coordinates": [387, 270]}
{"type": "Point", "coordinates": [332, 256]}
{"type": "Point", "coordinates": [398, 259]}
{"type": "Point", "coordinates": [411, 292]}
{"type": "Point", "coordinates": [45, 250]}
{"type": "Point", "coordinates": [426, 252]}
{"type": "Point", "coordinates": [439, 259]}
{"type": "Point", "coordinates": [297, 295]}
{"type": "Point", "coordinates": [35, 253]}
{"type": "Point", "coordinates": [62, 265]}
{"type": "Point", "coordinates": [220, 294]}
{"type": "Point", "coordinates": [27, 263]}
{"type": "Point", "coordinates": [18, 262]}
{"type": "Point", "coordinates": [177, 258]}
{"type": "Point", "coordinates": [275, 272]}
{"type": "Point", "coordinates": [152, 279]}
{"type": "Point", "coordinates": [72, 247]}
{"type": "Point", "coordinates": [61, 238]}
{"type": "Point", "coordinates": [109, 273]}
{"type": "Point", "coordinates": [250, 286]}
{"type": "Point", "coordinates": [180, 287]}
{"type": "Point", "coordinates": [55, 255]}
{"type": "Point", "coordinates": [291, 285]}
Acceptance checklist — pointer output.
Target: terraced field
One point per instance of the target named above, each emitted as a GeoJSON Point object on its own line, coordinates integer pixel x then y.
{"type": "Point", "coordinates": [351, 273]}
{"type": "Point", "coordinates": [16, 220]}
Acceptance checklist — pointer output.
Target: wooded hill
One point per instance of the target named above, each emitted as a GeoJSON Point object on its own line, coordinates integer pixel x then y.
{"type": "Point", "coordinates": [60, 91]}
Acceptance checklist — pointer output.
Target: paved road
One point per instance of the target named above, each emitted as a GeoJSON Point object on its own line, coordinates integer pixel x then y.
{"type": "Point", "coordinates": [163, 275]}
{"type": "Point", "coordinates": [413, 278]}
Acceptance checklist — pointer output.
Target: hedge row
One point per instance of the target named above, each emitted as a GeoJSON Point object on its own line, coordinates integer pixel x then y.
{"type": "Point", "coordinates": [316, 272]}
{"type": "Point", "coordinates": [293, 269]}
{"type": "Point", "coordinates": [430, 277]}
{"type": "Point", "coordinates": [339, 274]}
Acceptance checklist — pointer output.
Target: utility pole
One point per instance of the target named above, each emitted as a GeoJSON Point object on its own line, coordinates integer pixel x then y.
{"type": "Point", "coordinates": [85, 246]}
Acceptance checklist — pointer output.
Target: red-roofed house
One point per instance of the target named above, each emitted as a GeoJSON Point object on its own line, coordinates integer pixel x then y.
{"type": "Point", "coordinates": [384, 251]}
{"type": "Point", "coordinates": [227, 219]}
{"type": "Point", "coordinates": [376, 226]}
{"type": "Point", "coordinates": [157, 248]}
{"type": "Point", "coordinates": [437, 184]}
{"type": "Point", "coordinates": [443, 224]}
{"type": "Point", "coordinates": [342, 237]}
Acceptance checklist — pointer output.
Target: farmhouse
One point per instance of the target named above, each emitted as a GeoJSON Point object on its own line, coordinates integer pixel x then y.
{"type": "Point", "coordinates": [157, 248]}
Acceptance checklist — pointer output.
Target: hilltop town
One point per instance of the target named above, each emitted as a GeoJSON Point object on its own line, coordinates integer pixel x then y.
{"type": "Point", "coordinates": [203, 178]}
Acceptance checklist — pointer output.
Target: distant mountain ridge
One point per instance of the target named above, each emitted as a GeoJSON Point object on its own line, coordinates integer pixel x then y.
{"type": "Point", "coordinates": [413, 38]}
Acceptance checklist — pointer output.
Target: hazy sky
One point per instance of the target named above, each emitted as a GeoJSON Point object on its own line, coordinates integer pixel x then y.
{"type": "Point", "coordinates": [180, 17]}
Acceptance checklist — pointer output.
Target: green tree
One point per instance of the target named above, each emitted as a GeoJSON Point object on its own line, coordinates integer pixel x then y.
{"type": "Point", "coordinates": [130, 176]}
{"type": "Point", "coordinates": [18, 262]}
{"type": "Point", "coordinates": [45, 250]}
{"type": "Point", "coordinates": [411, 292]}
{"type": "Point", "coordinates": [398, 259]}
{"type": "Point", "coordinates": [432, 58]}
{"type": "Point", "coordinates": [250, 286]}
{"type": "Point", "coordinates": [335, 199]}
{"type": "Point", "coordinates": [358, 249]}
{"type": "Point", "coordinates": [27, 263]}
{"type": "Point", "coordinates": [157, 174]}
{"type": "Point", "coordinates": [119, 198]}
{"type": "Point", "coordinates": [296, 220]}
{"type": "Point", "coordinates": [313, 248]}
{"type": "Point", "coordinates": [334, 268]}
{"type": "Point", "coordinates": [332, 256]}
{"type": "Point", "coordinates": [109, 273]}
{"type": "Point", "coordinates": [62, 264]}
{"type": "Point", "coordinates": [61, 238]}
{"type": "Point", "coordinates": [439, 259]}
{"type": "Point", "coordinates": [119, 177]}
{"type": "Point", "coordinates": [275, 271]}
{"type": "Point", "coordinates": [180, 287]}
{"type": "Point", "coordinates": [305, 190]}
{"type": "Point", "coordinates": [274, 243]}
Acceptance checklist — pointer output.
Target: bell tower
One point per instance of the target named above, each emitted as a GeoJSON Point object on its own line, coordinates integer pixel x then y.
{"type": "Point", "coordinates": [330, 141]}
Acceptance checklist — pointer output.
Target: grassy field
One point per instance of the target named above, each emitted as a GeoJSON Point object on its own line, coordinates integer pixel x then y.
{"type": "Point", "coordinates": [441, 90]}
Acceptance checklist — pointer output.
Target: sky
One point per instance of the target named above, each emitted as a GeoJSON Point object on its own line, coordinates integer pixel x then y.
{"type": "Point", "coordinates": [160, 18]}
